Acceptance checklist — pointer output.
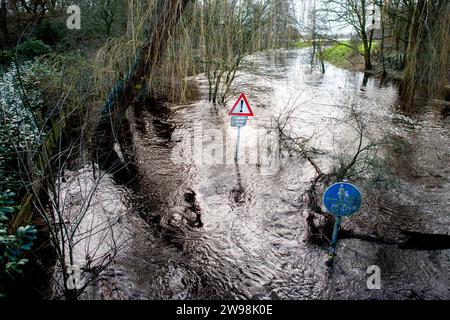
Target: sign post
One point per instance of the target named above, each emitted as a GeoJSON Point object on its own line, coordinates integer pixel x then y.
{"type": "Point", "coordinates": [239, 115]}
{"type": "Point", "coordinates": [236, 156]}
{"type": "Point", "coordinates": [341, 199]}
{"type": "Point", "coordinates": [334, 238]}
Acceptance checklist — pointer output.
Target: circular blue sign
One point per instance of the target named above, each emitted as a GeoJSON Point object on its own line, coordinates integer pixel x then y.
{"type": "Point", "coordinates": [342, 199]}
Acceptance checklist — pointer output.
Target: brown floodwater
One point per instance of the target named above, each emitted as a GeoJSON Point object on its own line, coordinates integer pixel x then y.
{"type": "Point", "coordinates": [203, 226]}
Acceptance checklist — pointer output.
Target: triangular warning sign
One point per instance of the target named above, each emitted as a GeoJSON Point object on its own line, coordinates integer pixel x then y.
{"type": "Point", "coordinates": [241, 107]}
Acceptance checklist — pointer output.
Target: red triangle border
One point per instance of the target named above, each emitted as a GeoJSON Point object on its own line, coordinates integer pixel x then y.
{"type": "Point", "coordinates": [242, 96]}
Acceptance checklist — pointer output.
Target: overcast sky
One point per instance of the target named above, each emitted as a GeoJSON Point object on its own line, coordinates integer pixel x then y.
{"type": "Point", "coordinates": [303, 7]}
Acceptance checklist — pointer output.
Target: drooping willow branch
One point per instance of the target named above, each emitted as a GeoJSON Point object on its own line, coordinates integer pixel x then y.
{"type": "Point", "coordinates": [126, 91]}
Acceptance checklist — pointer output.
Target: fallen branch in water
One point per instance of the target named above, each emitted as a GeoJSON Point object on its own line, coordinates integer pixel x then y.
{"type": "Point", "coordinates": [353, 164]}
{"type": "Point", "coordinates": [411, 240]}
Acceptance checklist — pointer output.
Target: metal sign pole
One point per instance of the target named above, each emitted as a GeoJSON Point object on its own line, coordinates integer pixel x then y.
{"type": "Point", "coordinates": [237, 143]}
{"type": "Point", "coordinates": [239, 116]}
{"type": "Point", "coordinates": [341, 199]}
{"type": "Point", "coordinates": [334, 239]}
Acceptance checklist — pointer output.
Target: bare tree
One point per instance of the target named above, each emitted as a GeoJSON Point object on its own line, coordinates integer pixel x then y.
{"type": "Point", "coordinates": [353, 159]}
{"type": "Point", "coordinates": [316, 31]}
{"type": "Point", "coordinates": [289, 140]}
{"type": "Point", "coordinates": [107, 14]}
{"type": "Point", "coordinates": [83, 226]}
{"type": "Point", "coordinates": [355, 162]}
{"type": "Point", "coordinates": [360, 15]}
{"type": "Point", "coordinates": [232, 30]}
{"type": "Point", "coordinates": [83, 234]}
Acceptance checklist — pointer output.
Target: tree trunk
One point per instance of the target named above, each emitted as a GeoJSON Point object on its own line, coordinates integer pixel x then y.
{"type": "Point", "coordinates": [4, 25]}
{"type": "Point", "coordinates": [126, 91]}
{"type": "Point", "coordinates": [409, 83]}
{"type": "Point", "coordinates": [382, 58]}
{"type": "Point", "coordinates": [218, 80]}
{"type": "Point", "coordinates": [367, 58]}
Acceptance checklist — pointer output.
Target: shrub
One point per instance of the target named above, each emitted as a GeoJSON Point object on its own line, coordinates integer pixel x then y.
{"type": "Point", "coordinates": [13, 247]}
{"type": "Point", "coordinates": [33, 48]}
{"type": "Point", "coordinates": [5, 57]}
{"type": "Point", "coordinates": [49, 32]}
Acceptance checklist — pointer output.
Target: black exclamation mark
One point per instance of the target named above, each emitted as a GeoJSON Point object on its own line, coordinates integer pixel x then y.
{"type": "Point", "coordinates": [242, 107]}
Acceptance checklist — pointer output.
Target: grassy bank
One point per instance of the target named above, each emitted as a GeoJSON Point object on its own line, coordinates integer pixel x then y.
{"type": "Point", "coordinates": [345, 57]}
{"type": "Point", "coordinates": [340, 54]}
{"type": "Point", "coordinates": [303, 44]}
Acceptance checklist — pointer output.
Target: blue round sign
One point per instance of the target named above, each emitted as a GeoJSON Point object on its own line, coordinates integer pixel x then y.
{"type": "Point", "coordinates": [342, 199]}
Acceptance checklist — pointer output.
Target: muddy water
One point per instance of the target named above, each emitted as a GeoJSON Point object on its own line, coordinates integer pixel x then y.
{"type": "Point", "coordinates": [250, 241]}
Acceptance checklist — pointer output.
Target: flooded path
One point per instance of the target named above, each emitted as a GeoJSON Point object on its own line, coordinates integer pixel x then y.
{"type": "Point", "coordinates": [251, 240]}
